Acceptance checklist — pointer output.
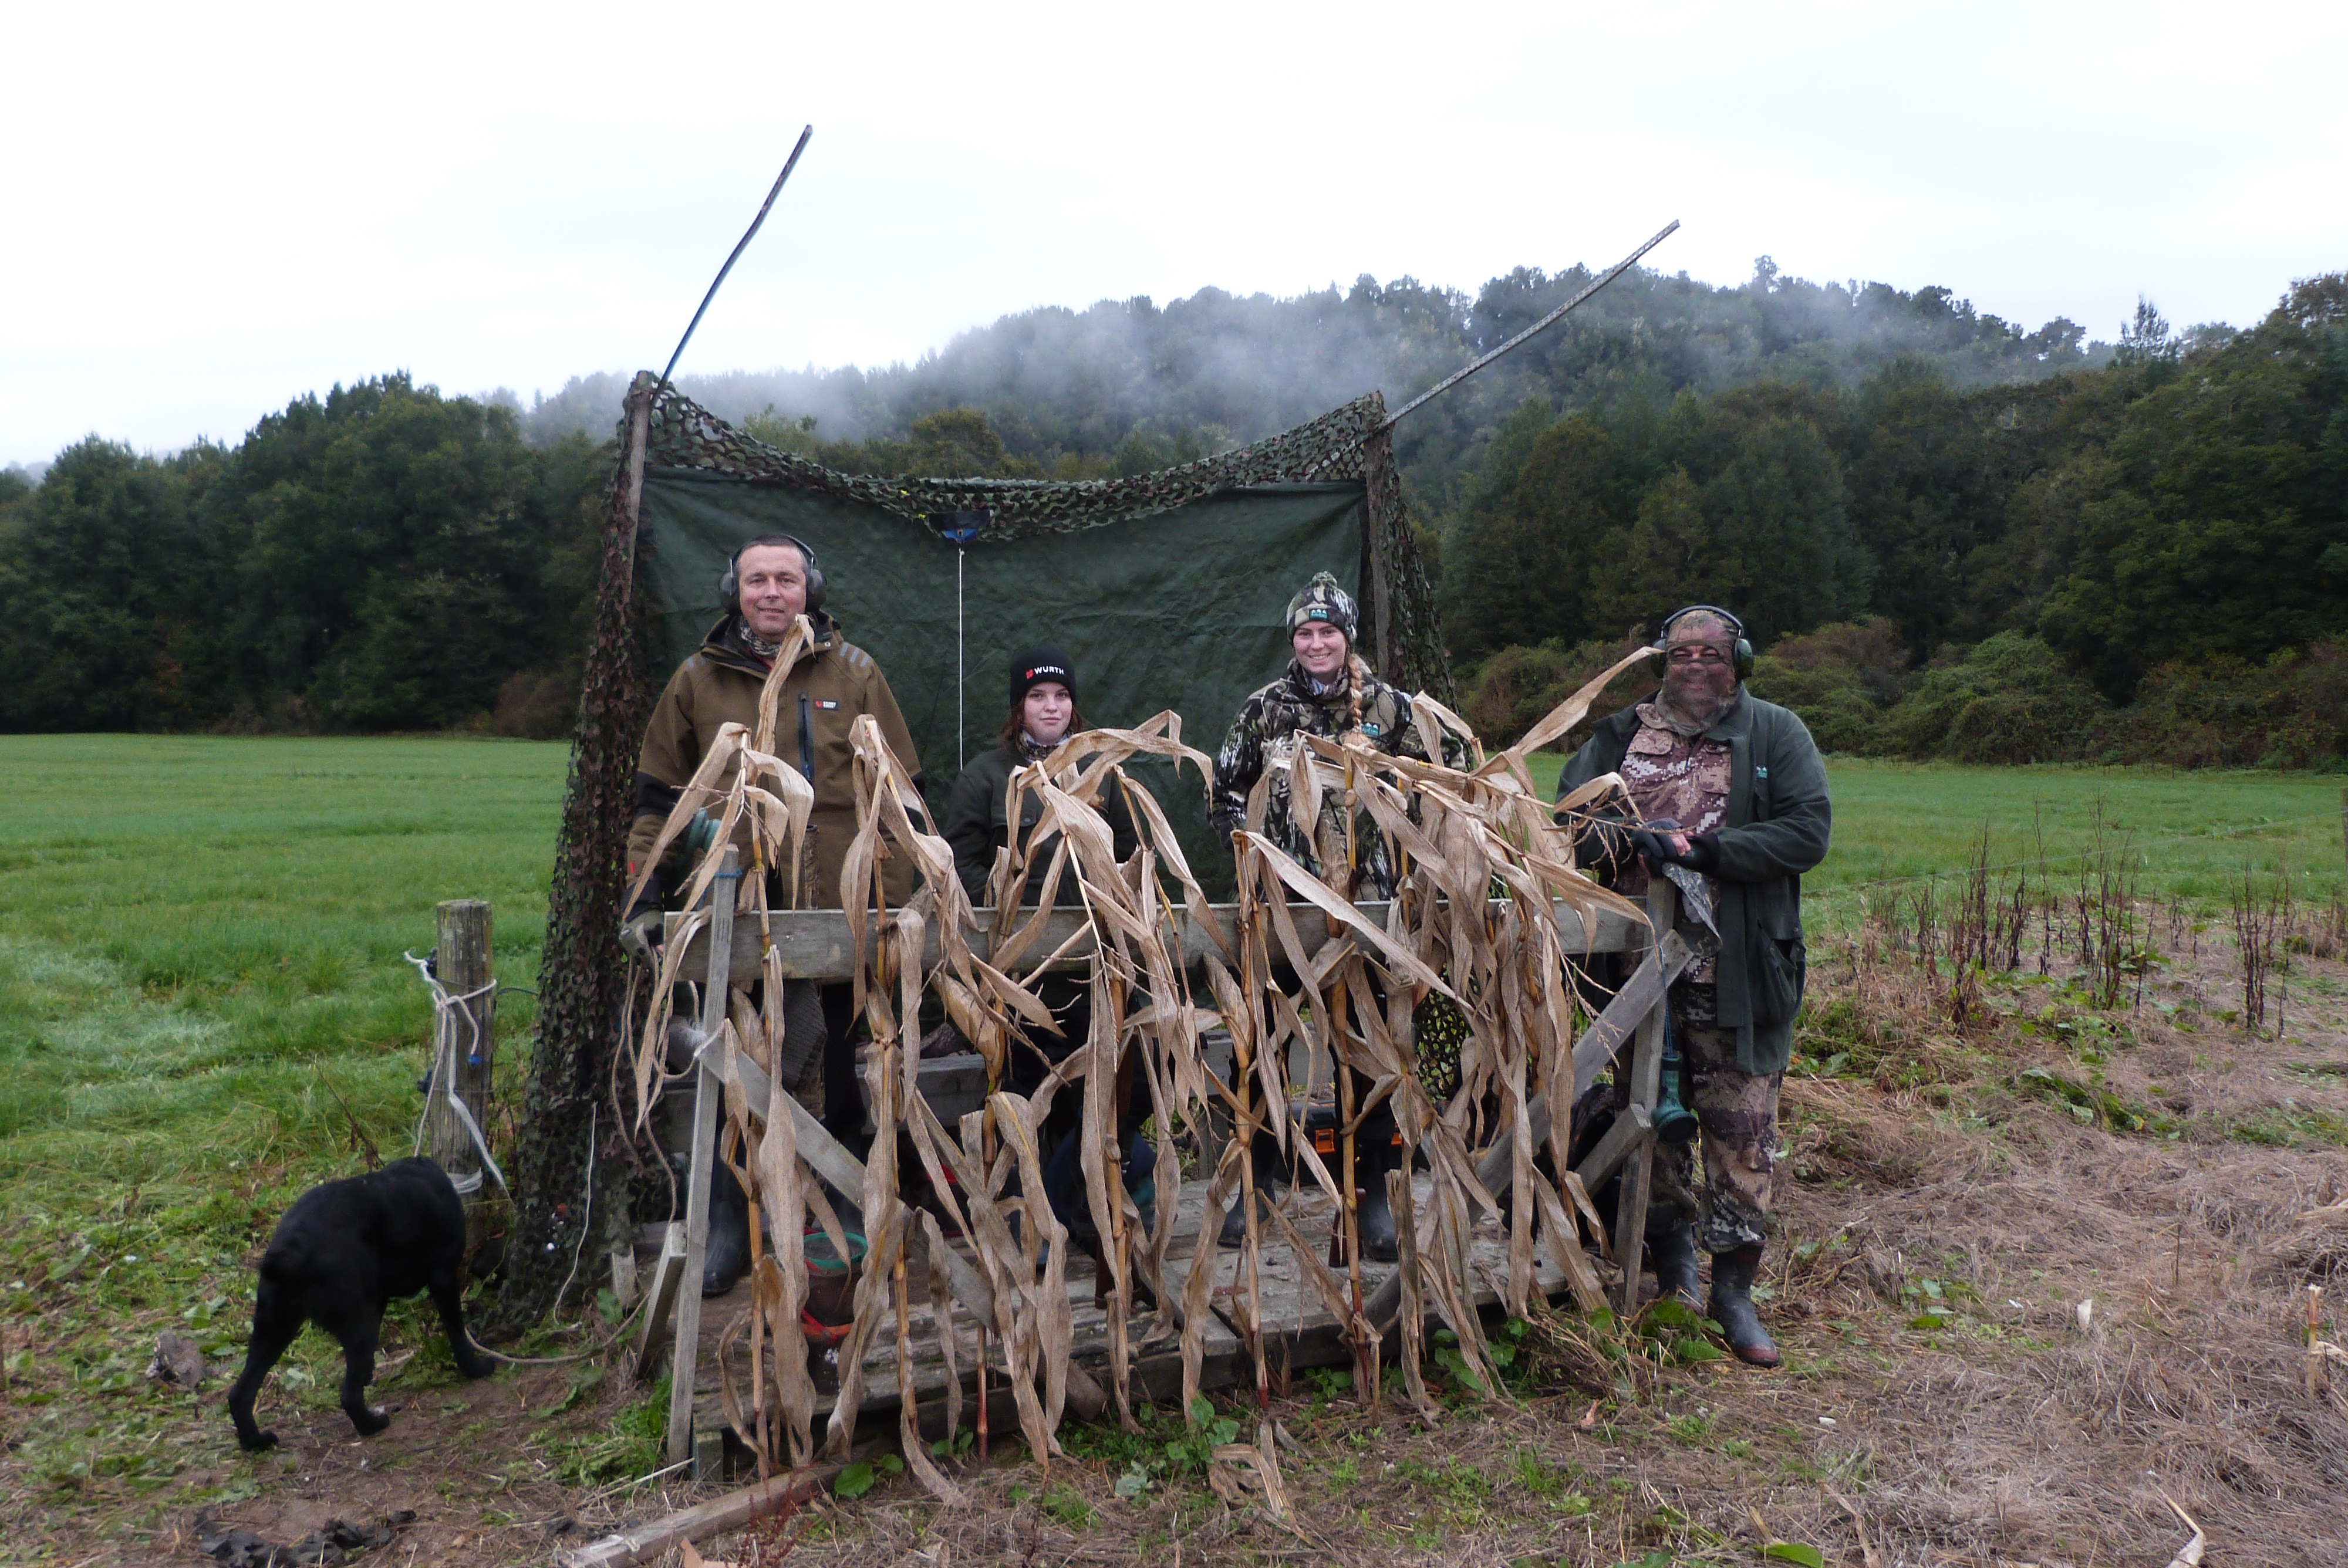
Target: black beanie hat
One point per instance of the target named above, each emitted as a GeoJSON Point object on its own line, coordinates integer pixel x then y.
{"type": "Point", "coordinates": [1038, 665]}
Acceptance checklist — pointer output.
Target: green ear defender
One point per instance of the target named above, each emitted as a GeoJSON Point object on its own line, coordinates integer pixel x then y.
{"type": "Point", "coordinates": [1744, 654]}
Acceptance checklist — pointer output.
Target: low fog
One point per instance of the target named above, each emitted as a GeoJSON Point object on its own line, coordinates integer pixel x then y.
{"type": "Point", "coordinates": [1235, 368]}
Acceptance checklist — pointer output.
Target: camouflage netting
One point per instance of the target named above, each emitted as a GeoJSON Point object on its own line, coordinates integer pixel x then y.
{"type": "Point", "coordinates": [1346, 443]}
{"type": "Point", "coordinates": [579, 984]}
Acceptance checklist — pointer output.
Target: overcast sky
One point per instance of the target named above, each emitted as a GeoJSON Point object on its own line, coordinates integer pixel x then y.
{"type": "Point", "coordinates": [209, 210]}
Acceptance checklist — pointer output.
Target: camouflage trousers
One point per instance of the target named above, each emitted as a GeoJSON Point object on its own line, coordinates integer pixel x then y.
{"type": "Point", "coordinates": [1738, 1112]}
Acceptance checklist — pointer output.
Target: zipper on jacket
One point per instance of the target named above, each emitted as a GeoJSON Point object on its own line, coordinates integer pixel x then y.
{"type": "Point", "coordinates": [807, 740]}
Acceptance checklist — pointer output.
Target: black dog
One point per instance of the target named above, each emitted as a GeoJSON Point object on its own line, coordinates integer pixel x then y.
{"type": "Point", "coordinates": [342, 1252]}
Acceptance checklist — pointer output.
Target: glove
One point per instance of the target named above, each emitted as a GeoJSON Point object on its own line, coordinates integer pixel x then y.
{"type": "Point", "coordinates": [641, 934]}
{"type": "Point", "coordinates": [1702, 852]}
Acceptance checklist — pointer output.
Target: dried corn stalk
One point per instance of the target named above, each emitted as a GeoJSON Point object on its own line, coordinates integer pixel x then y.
{"type": "Point", "coordinates": [1482, 869]}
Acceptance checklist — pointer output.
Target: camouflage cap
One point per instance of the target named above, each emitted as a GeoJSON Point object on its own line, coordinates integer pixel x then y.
{"type": "Point", "coordinates": [1323, 600]}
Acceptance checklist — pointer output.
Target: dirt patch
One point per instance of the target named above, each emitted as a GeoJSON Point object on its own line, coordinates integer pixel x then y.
{"type": "Point", "coordinates": [1946, 1215]}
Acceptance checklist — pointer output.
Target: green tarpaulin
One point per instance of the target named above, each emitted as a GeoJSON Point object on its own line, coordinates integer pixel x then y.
{"type": "Point", "coordinates": [1183, 610]}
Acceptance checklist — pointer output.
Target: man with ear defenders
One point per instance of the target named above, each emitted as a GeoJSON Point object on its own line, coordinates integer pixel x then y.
{"type": "Point", "coordinates": [769, 584]}
{"type": "Point", "coordinates": [1731, 803]}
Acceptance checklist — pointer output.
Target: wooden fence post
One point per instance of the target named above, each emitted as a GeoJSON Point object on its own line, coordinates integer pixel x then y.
{"type": "Point", "coordinates": [461, 962]}
{"type": "Point", "coordinates": [1646, 1079]}
{"type": "Point", "coordinates": [708, 1092]}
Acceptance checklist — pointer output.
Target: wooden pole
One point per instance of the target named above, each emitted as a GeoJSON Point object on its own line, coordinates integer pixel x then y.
{"type": "Point", "coordinates": [708, 1094]}
{"type": "Point", "coordinates": [646, 1543]}
{"type": "Point", "coordinates": [1640, 995]}
{"type": "Point", "coordinates": [1646, 1079]}
{"type": "Point", "coordinates": [461, 962]}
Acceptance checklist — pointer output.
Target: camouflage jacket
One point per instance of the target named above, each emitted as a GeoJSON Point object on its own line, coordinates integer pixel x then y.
{"type": "Point", "coordinates": [1264, 737]}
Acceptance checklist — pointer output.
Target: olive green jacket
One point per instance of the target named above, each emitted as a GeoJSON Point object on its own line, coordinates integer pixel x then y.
{"type": "Point", "coordinates": [829, 686]}
{"type": "Point", "coordinates": [1779, 823]}
{"type": "Point", "coordinates": [978, 823]}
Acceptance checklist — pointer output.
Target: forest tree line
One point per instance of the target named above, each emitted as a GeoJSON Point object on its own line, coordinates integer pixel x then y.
{"type": "Point", "coordinates": [1951, 535]}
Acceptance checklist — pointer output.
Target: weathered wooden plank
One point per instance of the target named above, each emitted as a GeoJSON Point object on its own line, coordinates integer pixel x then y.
{"type": "Point", "coordinates": [708, 1094]}
{"type": "Point", "coordinates": [731, 1511]}
{"type": "Point", "coordinates": [1636, 1000]}
{"type": "Point", "coordinates": [815, 946]}
{"type": "Point", "coordinates": [667, 1270]}
{"type": "Point", "coordinates": [1646, 1076]}
{"type": "Point", "coordinates": [1629, 1129]}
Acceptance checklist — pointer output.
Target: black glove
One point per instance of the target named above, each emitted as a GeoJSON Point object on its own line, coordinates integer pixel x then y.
{"type": "Point", "coordinates": [1702, 852]}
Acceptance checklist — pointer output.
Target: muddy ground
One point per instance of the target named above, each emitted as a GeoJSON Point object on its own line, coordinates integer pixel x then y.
{"type": "Point", "coordinates": [2041, 1285]}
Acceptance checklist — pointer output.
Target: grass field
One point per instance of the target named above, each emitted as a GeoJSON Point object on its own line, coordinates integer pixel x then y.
{"type": "Point", "coordinates": [200, 939]}
{"type": "Point", "coordinates": [2189, 834]}
{"type": "Point", "coordinates": [203, 1008]}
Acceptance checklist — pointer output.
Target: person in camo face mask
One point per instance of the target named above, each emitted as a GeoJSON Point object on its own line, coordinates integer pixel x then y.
{"type": "Point", "coordinates": [1731, 803]}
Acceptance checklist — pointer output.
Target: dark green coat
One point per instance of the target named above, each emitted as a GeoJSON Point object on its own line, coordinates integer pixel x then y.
{"type": "Point", "coordinates": [977, 824]}
{"type": "Point", "coordinates": [1779, 822]}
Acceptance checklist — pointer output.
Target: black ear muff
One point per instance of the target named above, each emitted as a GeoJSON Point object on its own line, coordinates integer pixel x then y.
{"type": "Point", "coordinates": [729, 581]}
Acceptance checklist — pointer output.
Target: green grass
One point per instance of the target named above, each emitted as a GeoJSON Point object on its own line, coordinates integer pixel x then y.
{"type": "Point", "coordinates": [200, 939]}
{"type": "Point", "coordinates": [2190, 833]}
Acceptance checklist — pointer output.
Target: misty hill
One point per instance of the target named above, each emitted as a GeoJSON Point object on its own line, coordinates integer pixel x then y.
{"type": "Point", "coordinates": [1222, 368]}
{"type": "Point", "coordinates": [1950, 536]}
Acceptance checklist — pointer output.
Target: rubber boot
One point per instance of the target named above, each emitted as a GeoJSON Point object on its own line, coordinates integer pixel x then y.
{"type": "Point", "coordinates": [1234, 1231]}
{"type": "Point", "coordinates": [1266, 1155]}
{"type": "Point", "coordinates": [1375, 1213]}
{"type": "Point", "coordinates": [728, 1253]}
{"type": "Point", "coordinates": [1141, 1177]}
{"type": "Point", "coordinates": [1732, 1304]}
{"type": "Point", "coordinates": [1673, 1255]}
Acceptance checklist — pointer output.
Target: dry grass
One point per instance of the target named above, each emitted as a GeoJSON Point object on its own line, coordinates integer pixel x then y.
{"type": "Point", "coordinates": [1932, 1186]}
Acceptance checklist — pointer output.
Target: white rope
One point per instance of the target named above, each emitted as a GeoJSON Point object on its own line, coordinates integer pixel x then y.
{"type": "Point", "coordinates": [447, 1009]}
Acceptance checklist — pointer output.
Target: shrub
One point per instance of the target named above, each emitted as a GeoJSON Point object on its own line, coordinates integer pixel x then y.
{"type": "Point", "coordinates": [2010, 699]}
{"type": "Point", "coordinates": [1516, 688]}
{"type": "Point", "coordinates": [2289, 713]}
{"type": "Point", "coordinates": [537, 706]}
{"type": "Point", "coordinates": [1840, 678]}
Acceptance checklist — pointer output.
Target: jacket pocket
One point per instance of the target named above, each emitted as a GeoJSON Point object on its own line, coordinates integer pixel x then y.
{"type": "Point", "coordinates": [1777, 979]}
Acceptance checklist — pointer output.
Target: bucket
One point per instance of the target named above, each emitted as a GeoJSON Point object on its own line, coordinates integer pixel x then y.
{"type": "Point", "coordinates": [831, 1280]}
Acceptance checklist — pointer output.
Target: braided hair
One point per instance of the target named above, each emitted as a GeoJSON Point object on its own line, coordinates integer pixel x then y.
{"type": "Point", "coordinates": [1358, 674]}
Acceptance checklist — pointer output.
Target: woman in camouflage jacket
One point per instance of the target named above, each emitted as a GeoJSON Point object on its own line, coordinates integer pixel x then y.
{"type": "Point", "coordinates": [1327, 690]}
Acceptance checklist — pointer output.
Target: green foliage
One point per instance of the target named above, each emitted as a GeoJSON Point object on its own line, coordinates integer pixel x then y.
{"type": "Point", "coordinates": [1166, 1445]}
{"type": "Point", "coordinates": [1793, 1552]}
{"type": "Point", "coordinates": [628, 1449]}
{"type": "Point", "coordinates": [2008, 700]}
{"type": "Point", "coordinates": [856, 1480]}
{"type": "Point", "coordinates": [2214, 518]}
{"type": "Point", "coordinates": [1066, 1504]}
{"type": "Point", "coordinates": [1840, 678]}
{"type": "Point", "coordinates": [2171, 528]}
{"type": "Point", "coordinates": [385, 558]}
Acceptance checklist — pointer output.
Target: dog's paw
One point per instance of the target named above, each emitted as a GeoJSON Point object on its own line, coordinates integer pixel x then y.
{"type": "Point", "coordinates": [260, 1442]}
{"type": "Point", "coordinates": [371, 1420]}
